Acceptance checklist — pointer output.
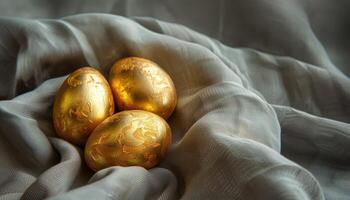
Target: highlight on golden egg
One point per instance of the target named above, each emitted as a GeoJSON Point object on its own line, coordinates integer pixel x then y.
{"type": "Point", "coordinates": [128, 138]}
{"type": "Point", "coordinates": [140, 84]}
{"type": "Point", "coordinates": [83, 101]}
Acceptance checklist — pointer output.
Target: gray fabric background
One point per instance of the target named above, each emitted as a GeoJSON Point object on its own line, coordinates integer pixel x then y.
{"type": "Point", "coordinates": [263, 109]}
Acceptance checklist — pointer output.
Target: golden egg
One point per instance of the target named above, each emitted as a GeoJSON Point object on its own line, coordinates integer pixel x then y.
{"type": "Point", "coordinates": [128, 138]}
{"type": "Point", "coordinates": [83, 101]}
{"type": "Point", "coordinates": [140, 84]}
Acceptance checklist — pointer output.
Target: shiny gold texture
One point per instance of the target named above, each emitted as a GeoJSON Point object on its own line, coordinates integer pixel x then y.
{"type": "Point", "coordinates": [128, 138]}
{"type": "Point", "coordinates": [140, 84]}
{"type": "Point", "coordinates": [83, 101]}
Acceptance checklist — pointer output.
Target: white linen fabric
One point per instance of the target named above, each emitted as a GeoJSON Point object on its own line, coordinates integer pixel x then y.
{"type": "Point", "coordinates": [263, 110]}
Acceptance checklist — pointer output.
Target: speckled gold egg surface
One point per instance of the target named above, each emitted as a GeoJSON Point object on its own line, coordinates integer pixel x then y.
{"type": "Point", "coordinates": [83, 101]}
{"type": "Point", "coordinates": [140, 84]}
{"type": "Point", "coordinates": [128, 138]}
